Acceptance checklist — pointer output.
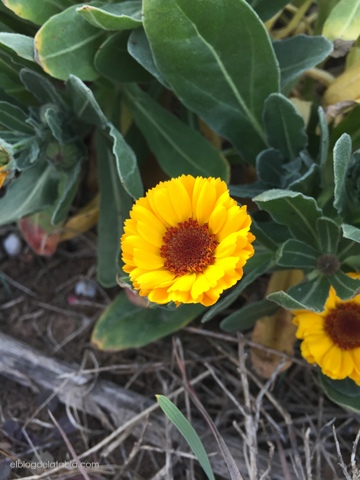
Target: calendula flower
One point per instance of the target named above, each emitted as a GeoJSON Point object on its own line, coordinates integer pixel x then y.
{"type": "Point", "coordinates": [331, 339]}
{"type": "Point", "coordinates": [187, 241]}
{"type": "Point", "coordinates": [3, 175]}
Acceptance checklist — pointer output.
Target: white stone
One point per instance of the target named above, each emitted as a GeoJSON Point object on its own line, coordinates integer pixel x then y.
{"type": "Point", "coordinates": [85, 288]}
{"type": "Point", "coordinates": [12, 245]}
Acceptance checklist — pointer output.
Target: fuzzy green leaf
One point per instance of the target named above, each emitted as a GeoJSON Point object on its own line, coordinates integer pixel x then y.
{"type": "Point", "coordinates": [34, 190]}
{"type": "Point", "coordinates": [41, 88]}
{"type": "Point", "coordinates": [14, 118]}
{"type": "Point", "coordinates": [114, 52]}
{"type": "Point", "coordinates": [343, 392]}
{"type": "Point", "coordinates": [117, 16]}
{"type": "Point", "coordinates": [342, 160]}
{"type": "Point", "coordinates": [245, 318]}
{"type": "Point", "coordinates": [126, 164]}
{"type": "Point", "coordinates": [295, 210]}
{"type": "Point", "coordinates": [296, 254]}
{"type": "Point", "coordinates": [345, 286]}
{"type": "Point", "coordinates": [22, 45]}
{"type": "Point", "coordinates": [37, 11]}
{"type": "Point", "coordinates": [84, 103]}
{"type": "Point", "coordinates": [309, 295]}
{"type": "Point", "coordinates": [351, 232]}
{"type": "Point", "coordinates": [68, 185]}
{"type": "Point", "coordinates": [66, 44]}
{"type": "Point", "coordinates": [178, 148]}
{"type": "Point", "coordinates": [124, 325]}
{"type": "Point", "coordinates": [114, 209]}
{"type": "Point", "coordinates": [329, 235]}
{"type": "Point", "coordinates": [226, 46]}
{"type": "Point", "coordinates": [139, 49]}
{"type": "Point", "coordinates": [285, 127]}
{"type": "Point", "coordinates": [298, 54]}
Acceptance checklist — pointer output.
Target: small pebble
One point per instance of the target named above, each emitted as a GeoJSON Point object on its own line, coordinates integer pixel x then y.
{"type": "Point", "coordinates": [85, 288]}
{"type": "Point", "coordinates": [12, 245]}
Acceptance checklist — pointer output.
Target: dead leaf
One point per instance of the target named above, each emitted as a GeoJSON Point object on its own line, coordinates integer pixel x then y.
{"type": "Point", "coordinates": [276, 332]}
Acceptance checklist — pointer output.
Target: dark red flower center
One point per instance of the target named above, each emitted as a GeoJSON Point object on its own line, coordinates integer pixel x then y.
{"type": "Point", "coordinates": [188, 247]}
{"type": "Point", "coordinates": [342, 324]}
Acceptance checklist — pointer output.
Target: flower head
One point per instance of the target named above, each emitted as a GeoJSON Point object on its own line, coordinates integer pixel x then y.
{"type": "Point", "coordinates": [186, 241]}
{"type": "Point", "coordinates": [331, 339]}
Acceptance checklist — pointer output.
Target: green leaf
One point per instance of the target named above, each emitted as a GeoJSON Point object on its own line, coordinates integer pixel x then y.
{"type": "Point", "coordinates": [34, 190]}
{"type": "Point", "coordinates": [261, 232]}
{"type": "Point", "coordinates": [114, 209]}
{"type": "Point", "coordinates": [22, 45]}
{"type": "Point", "coordinates": [125, 325]}
{"type": "Point", "coordinates": [343, 21]}
{"type": "Point", "coordinates": [329, 235]}
{"type": "Point", "coordinates": [29, 155]}
{"type": "Point", "coordinates": [297, 254]}
{"type": "Point", "coordinates": [298, 54]}
{"type": "Point", "coordinates": [117, 16]}
{"type": "Point", "coordinates": [343, 392]}
{"type": "Point", "coordinates": [139, 49]}
{"type": "Point", "coordinates": [126, 164]}
{"type": "Point", "coordinates": [266, 9]}
{"type": "Point", "coordinates": [295, 210]}
{"type": "Point", "coordinates": [66, 44]}
{"type": "Point", "coordinates": [285, 128]}
{"type": "Point", "coordinates": [308, 182]}
{"type": "Point", "coordinates": [178, 148]}
{"type": "Point", "coordinates": [269, 166]}
{"type": "Point", "coordinates": [342, 160]}
{"type": "Point", "coordinates": [349, 254]}
{"type": "Point", "coordinates": [226, 45]}
{"type": "Point", "coordinates": [35, 11]}
{"type": "Point", "coordinates": [114, 51]}
{"type": "Point", "coordinates": [324, 139]}
{"type": "Point", "coordinates": [41, 88]}
{"type": "Point", "coordinates": [345, 286]}
{"type": "Point", "coordinates": [84, 103]}
{"type": "Point", "coordinates": [351, 232]}
{"type": "Point", "coordinates": [248, 190]}
{"type": "Point", "coordinates": [254, 268]}
{"type": "Point", "coordinates": [187, 431]}
{"type": "Point", "coordinates": [68, 185]}
{"type": "Point", "coordinates": [324, 9]}
{"type": "Point", "coordinates": [310, 295]}
{"type": "Point", "coordinates": [245, 318]}
{"type": "Point", "coordinates": [14, 118]}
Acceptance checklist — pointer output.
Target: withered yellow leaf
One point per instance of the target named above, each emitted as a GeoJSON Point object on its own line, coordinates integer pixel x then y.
{"type": "Point", "coordinates": [345, 87]}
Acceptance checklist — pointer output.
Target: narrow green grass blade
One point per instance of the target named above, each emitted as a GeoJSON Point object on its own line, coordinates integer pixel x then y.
{"type": "Point", "coordinates": [187, 431]}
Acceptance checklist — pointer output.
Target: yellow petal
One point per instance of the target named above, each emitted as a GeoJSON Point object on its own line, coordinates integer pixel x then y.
{"type": "Point", "coordinates": [180, 200]}
{"type": "Point", "coordinates": [150, 234]}
{"type": "Point", "coordinates": [184, 283]}
{"type": "Point", "coordinates": [200, 286]}
{"type": "Point", "coordinates": [146, 260]}
{"type": "Point", "coordinates": [217, 219]}
{"type": "Point", "coordinates": [155, 279]}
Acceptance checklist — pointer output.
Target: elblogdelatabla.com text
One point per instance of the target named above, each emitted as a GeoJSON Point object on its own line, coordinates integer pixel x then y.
{"type": "Point", "coordinates": [49, 465]}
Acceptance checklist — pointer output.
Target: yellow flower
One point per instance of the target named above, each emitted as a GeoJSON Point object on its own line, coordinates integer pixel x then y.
{"type": "Point", "coordinates": [3, 175]}
{"type": "Point", "coordinates": [331, 339]}
{"type": "Point", "coordinates": [186, 241]}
